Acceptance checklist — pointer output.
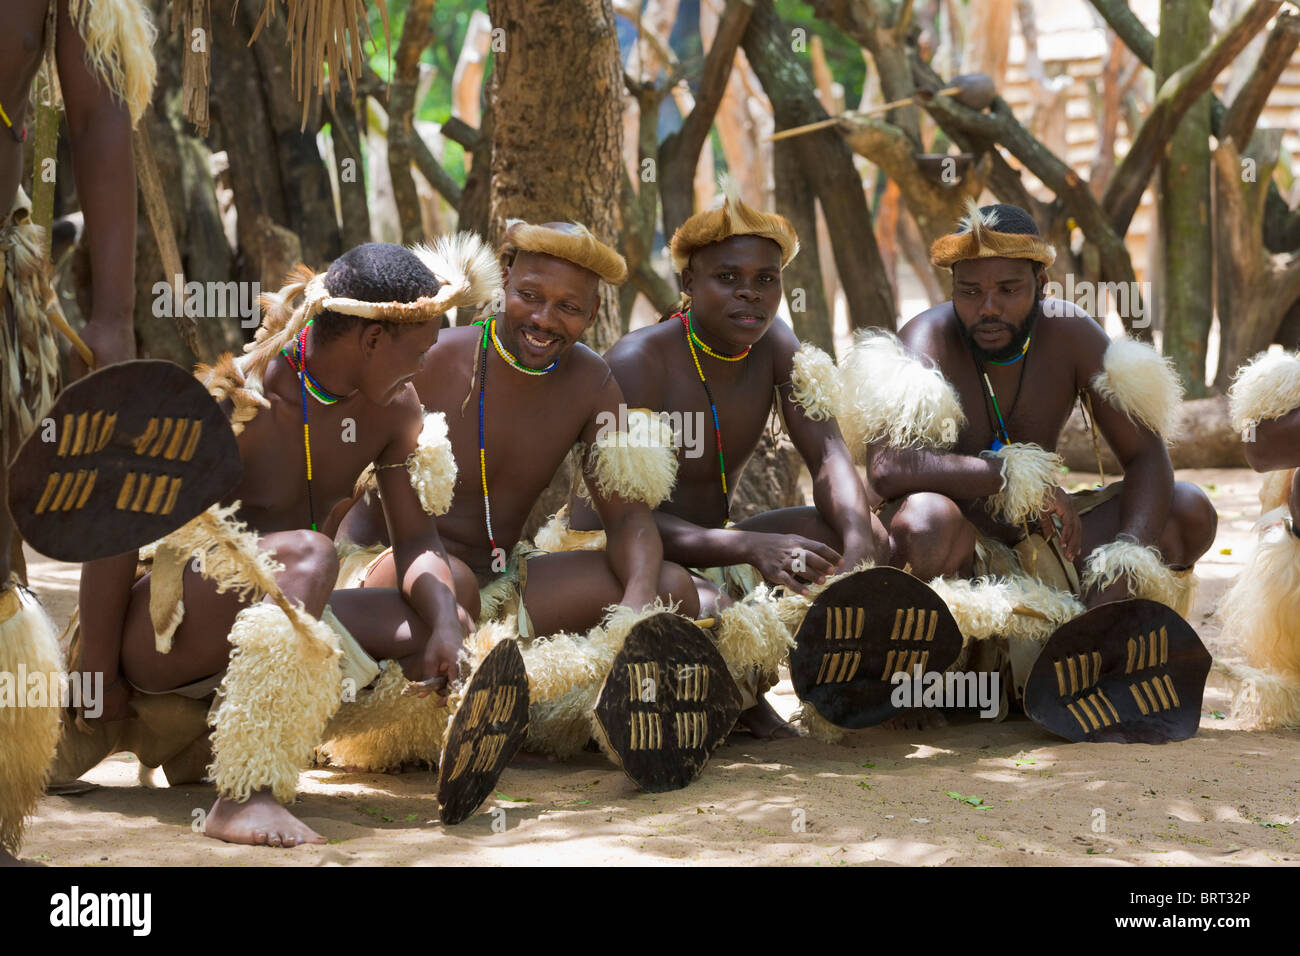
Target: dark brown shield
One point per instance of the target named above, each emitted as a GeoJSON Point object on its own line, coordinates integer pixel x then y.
{"type": "Point", "coordinates": [667, 703]}
{"type": "Point", "coordinates": [485, 732]}
{"type": "Point", "coordinates": [862, 631]}
{"type": "Point", "coordinates": [1127, 672]}
{"type": "Point", "coordinates": [126, 456]}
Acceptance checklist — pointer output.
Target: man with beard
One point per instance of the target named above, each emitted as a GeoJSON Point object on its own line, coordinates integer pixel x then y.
{"type": "Point", "coordinates": [958, 420]}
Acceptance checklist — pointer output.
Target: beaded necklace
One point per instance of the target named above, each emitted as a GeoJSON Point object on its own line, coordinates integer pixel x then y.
{"type": "Point", "coordinates": [298, 362]}
{"type": "Point", "coordinates": [1000, 428]}
{"type": "Point", "coordinates": [489, 332]}
{"type": "Point", "coordinates": [691, 341]}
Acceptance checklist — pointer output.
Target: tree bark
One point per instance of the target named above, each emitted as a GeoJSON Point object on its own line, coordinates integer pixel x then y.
{"type": "Point", "coordinates": [1184, 262]}
{"type": "Point", "coordinates": [557, 125]}
{"type": "Point", "coordinates": [416, 35]}
{"type": "Point", "coordinates": [1206, 439]}
{"type": "Point", "coordinates": [810, 311]}
{"type": "Point", "coordinates": [830, 164]}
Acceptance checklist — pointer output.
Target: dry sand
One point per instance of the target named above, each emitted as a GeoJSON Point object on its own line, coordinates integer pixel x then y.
{"type": "Point", "coordinates": [1225, 796]}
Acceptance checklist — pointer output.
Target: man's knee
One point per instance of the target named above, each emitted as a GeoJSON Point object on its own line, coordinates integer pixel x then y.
{"type": "Point", "coordinates": [1195, 522]}
{"type": "Point", "coordinates": [932, 534]}
{"type": "Point", "coordinates": [311, 565]}
{"type": "Point", "coordinates": [677, 585]}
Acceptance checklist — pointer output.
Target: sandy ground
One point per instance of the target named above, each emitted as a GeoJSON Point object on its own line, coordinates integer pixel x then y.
{"type": "Point", "coordinates": [1225, 796]}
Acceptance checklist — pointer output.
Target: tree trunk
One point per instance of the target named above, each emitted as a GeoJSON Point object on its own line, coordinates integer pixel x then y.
{"type": "Point", "coordinates": [1184, 267]}
{"type": "Point", "coordinates": [1205, 440]}
{"type": "Point", "coordinates": [416, 35]}
{"type": "Point", "coordinates": [810, 312]}
{"type": "Point", "coordinates": [557, 115]}
{"type": "Point", "coordinates": [275, 168]}
{"type": "Point", "coordinates": [830, 161]}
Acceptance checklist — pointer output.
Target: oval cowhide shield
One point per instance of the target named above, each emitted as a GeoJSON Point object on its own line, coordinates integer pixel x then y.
{"type": "Point", "coordinates": [859, 633]}
{"type": "Point", "coordinates": [667, 703]}
{"type": "Point", "coordinates": [485, 732]}
{"type": "Point", "coordinates": [1126, 672]}
{"type": "Point", "coordinates": [125, 457]}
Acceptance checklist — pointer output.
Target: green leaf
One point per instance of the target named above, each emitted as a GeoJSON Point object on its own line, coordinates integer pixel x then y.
{"type": "Point", "coordinates": [412, 817]}
{"type": "Point", "coordinates": [505, 796]}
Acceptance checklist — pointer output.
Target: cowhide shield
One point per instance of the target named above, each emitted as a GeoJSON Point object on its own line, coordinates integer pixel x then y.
{"type": "Point", "coordinates": [485, 732]}
{"type": "Point", "coordinates": [126, 456]}
{"type": "Point", "coordinates": [667, 703]}
{"type": "Point", "coordinates": [859, 633]}
{"type": "Point", "coordinates": [1127, 672]}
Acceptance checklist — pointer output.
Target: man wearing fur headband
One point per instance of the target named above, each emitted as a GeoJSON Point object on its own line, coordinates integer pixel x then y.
{"type": "Point", "coordinates": [520, 390]}
{"type": "Point", "coordinates": [1261, 611]}
{"type": "Point", "coordinates": [105, 66]}
{"type": "Point", "coordinates": [960, 415]}
{"type": "Point", "coordinates": [723, 360]}
{"type": "Point", "coordinates": [323, 392]}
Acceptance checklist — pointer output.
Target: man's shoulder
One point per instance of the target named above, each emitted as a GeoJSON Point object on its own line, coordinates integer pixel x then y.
{"type": "Point", "coordinates": [638, 345]}
{"type": "Point", "coordinates": [930, 332]}
{"type": "Point", "coordinates": [1075, 332]}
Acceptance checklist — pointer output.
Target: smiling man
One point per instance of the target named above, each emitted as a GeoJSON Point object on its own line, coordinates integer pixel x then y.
{"type": "Point", "coordinates": [520, 390]}
{"type": "Point", "coordinates": [724, 360]}
{"type": "Point", "coordinates": [959, 417]}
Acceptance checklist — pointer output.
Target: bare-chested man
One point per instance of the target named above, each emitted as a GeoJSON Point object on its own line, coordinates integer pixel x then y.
{"type": "Point", "coordinates": [519, 390]}
{"type": "Point", "coordinates": [1261, 611]}
{"type": "Point", "coordinates": [103, 96]}
{"type": "Point", "coordinates": [342, 361]}
{"type": "Point", "coordinates": [962, 420]}
{"type": "Point", "coordinates": [719, 364]}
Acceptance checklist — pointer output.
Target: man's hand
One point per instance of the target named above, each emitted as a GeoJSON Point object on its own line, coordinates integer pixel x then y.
{"type": "Point", "coordinates": [112, 342]}
{"type": "Point", "coordinates": [791, 560]}
{"type": "Point", "coordinates": [1058, 510]}
{"type": "Point", "coordinates": [441, 661]}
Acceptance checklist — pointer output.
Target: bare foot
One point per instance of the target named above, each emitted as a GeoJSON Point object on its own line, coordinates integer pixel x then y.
{"type": "Point", "coordinates": [764, 723]}
{"type": "Point", "coordinates": [260, 821]}
{"type": "Point", "coordinates": [916, 718]}
{"type": "Point", "coordinates": [191, 764]}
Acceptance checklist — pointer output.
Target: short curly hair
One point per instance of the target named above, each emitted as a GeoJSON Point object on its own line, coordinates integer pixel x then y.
{"type": "Point", "coordinates": [374, 272]}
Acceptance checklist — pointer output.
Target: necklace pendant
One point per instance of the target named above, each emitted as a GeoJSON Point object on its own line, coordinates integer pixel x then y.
{"type": "Point", "coordinates": [997, 445]}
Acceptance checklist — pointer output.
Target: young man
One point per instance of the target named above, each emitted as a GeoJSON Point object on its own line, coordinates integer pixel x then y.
{"type": "Point", "coordinates": [720, 364]}
{"type": "Point", "coordinates": [1261, 611]}
{"type": "Point", "coordinates": [959, 418]}
{"type": "Point", "coordinates": [105, 68]}
{"type": "Point", "coordinates": [519, 391]}
{"type": "Point", "coordinates": [324, 391]}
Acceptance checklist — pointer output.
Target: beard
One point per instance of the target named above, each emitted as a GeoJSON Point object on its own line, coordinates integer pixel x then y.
{"type": "Point", "coordinates": [1019, 336]}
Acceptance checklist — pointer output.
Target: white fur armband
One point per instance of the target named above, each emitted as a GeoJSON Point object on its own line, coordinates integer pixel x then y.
{"type": "Point", "coordinates": [1268, 386]}
{"type": "Point", "coordinates": [1141, 383]}
{"type": "Point", "coordinates": [1149, 577]}
{"type": "Point", "coordinates": [432, 466]}
{"type": "Point", "coordinates": [1028, 473]}
{"type": "Point", "coordinates": [639, 463]}
{"type": "Point", "coordinates": [815, 383]}
{"type": "Point", "coordinates": [889, 395]}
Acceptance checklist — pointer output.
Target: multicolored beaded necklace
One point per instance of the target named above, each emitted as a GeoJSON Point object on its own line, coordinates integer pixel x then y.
{"type": "Point", "coordinates": [298, 362]}
{"type": "Point", "coordinates": [490, 332]}
{"type": "Point", "coordinates": [692, 340]}
{"type": "Point", "coordinates": [1000, 436]}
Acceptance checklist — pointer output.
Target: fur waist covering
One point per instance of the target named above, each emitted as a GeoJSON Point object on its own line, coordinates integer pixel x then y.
{"type": "Point", "coordinates": [888, 395]}
{"type": "Point", "coordinates": [432, 467]}
{"type": "Point", "coordinates": [29, 727]}
{"type": "Point", "coordinates": [1261, 616]}
{"type": "Point", "coordinates": [1149, 577]}
{"type": "Point", "coordinates": [1266, 387]}
{"type": "Point", "coordinates": [815, 383]}
{"type": "Point", "coordinates": [281, 688]}
{"type": "Point", "coordinates": [1028, 473]}
{"type": "Point", "coordinates": [638, 460]}
{"type": "Point", "coordinates": [119, 38]}
{"type": "Point", "coordinates": [556, 535]}
{"type": "Point", "coordinates": [1140, 382]}
{"type": "Point", "coordinates": [29, 353]}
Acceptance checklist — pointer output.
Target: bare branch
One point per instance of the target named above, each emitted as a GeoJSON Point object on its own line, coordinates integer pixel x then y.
{"type": "Point", "coordinates": [1244, 112]}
